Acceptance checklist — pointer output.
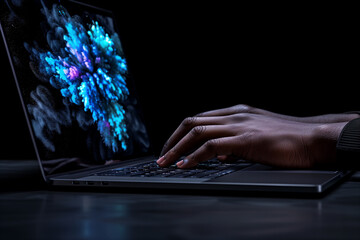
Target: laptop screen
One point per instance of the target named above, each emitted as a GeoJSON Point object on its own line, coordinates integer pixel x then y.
{"type": "Point", "coordinates": [74, 82]}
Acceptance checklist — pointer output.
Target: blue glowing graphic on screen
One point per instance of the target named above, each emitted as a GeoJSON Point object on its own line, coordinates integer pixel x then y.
{"type": "Point", "coordinates": [86, 64]}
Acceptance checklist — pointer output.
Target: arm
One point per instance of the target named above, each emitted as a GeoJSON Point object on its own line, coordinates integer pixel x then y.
{"type": "Point", "coordinates": [242, 108]}
{"type": "Point", "coordinates": [257, 135]}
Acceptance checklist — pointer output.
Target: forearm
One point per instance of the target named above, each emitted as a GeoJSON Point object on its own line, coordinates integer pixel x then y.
{"type": "Point", "coordinates": [330, 118]}
{"type": "Point", "coordinates": [326, 118]}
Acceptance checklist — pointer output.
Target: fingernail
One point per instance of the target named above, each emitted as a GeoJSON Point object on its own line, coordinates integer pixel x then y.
{"type": "Point", "coordinates": [182, 162]}
{"type": "Point", "coordinates": [160, 160]}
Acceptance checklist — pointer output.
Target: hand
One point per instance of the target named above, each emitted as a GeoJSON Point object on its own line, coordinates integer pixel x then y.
{"type": "Point", "coordinates": [256, 135]}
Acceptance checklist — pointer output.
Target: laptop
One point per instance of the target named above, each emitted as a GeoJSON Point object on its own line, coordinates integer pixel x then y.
{"type": "Point", "coordinates": [84, 115]}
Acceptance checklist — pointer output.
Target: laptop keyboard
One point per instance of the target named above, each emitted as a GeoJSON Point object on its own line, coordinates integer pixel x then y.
{"type": "Point", "coordinates": [210, 169]}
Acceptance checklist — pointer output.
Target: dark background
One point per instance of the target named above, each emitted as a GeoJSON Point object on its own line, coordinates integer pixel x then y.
{"type": "Point", "coordinates": [299, 60]}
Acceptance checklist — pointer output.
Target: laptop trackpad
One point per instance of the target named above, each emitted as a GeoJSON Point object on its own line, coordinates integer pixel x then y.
{"type": "Point", "coordinates": [274, 176]}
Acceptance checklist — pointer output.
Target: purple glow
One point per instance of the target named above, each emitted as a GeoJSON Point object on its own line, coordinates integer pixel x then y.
{"type": "Point", "coordinates": [72, 72]}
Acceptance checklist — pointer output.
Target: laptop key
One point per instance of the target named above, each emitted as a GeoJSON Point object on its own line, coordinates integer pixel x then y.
{"type": "Point", "coordinates": [210, 169]}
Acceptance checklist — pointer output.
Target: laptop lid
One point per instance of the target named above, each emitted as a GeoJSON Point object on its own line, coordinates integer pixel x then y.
{"type": "Point", "coordinates": [73, 79]}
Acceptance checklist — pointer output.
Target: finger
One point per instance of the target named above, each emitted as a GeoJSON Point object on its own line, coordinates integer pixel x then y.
{"type": "Point", "coordinates": [222, 158]}
{"type": "Point", "coordinates": [186, 126]}
{"type": "Point", "coordinates": [227, 158]}
{"type": "Point", "coordinates": [211, 149]}
{"type": "Point", "coordinates": [194, 138]}
{"type": "Point", "coordinates": [241, 108]}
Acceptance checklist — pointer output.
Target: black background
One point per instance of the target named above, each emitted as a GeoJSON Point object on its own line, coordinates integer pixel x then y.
{"type": "Point", "coordinates": [299, 60]}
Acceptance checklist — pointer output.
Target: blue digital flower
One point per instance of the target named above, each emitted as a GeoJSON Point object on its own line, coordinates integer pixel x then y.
{"type": "Point", "coordinates": [89, 70]}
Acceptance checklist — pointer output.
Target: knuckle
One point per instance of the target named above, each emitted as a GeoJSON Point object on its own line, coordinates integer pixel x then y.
{"type": "Point", "coordinates": [171, 156]}
{"type": "Point", "coordinates": [166, 144]}
{"type": "Point", "coordinates": [193, 160]}
{"type": "Point", "coordinates": [242, 108]}
{"type": "Point", "coordinates": [198, 130]}
{"type": "Point", "coordinates": [172, 153]}
{"type": "Point", "coordinates": [189, 121]}
{"type": "Point", "coordinates": [240, 117]}
{"type": "Point", "coordinates": [212, 145]}
{"type": "Point", "coordinates": [165, 147]}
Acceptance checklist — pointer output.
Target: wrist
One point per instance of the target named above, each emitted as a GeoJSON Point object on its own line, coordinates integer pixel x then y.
{"type": "Point", "coordinates": [348, 145]}
{"type": "Point", "coordinates": [324, 144]}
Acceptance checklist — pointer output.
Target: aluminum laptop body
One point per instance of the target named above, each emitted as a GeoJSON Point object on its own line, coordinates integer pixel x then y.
{"type": "Point", "coordinates": [84, 117]}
